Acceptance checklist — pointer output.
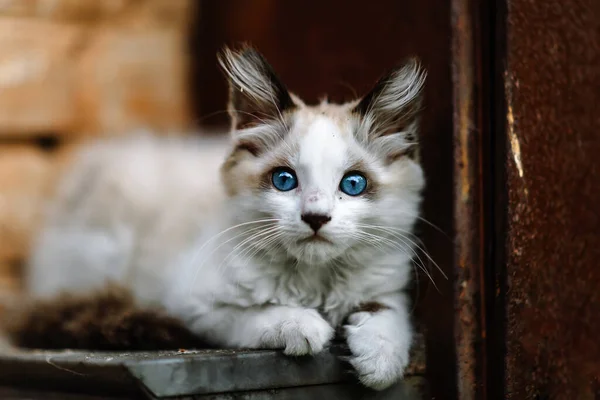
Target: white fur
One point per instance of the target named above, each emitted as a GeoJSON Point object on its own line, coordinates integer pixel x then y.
{"type": "Point", "coordinates": [246, 74]}
{"type": "Point", "coordinates": [125, 208]}
{"type": "Point", "coordinates": [151, 214]}
{"type": "Point", "coordinates": [380, 342]}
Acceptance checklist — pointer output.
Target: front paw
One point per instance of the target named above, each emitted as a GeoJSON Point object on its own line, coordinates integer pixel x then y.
{"type": "Point", "coordinates": [378, 357]}
{"type": "Point", "coordinates": [300, 332]}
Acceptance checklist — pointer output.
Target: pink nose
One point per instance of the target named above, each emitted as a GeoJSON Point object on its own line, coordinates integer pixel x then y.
{"type": "Point", "coordinates": [316, 221]}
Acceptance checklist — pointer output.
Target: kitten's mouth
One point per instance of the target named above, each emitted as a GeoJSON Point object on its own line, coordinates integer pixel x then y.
{"type": "Point", "coordinates": [316, 238]}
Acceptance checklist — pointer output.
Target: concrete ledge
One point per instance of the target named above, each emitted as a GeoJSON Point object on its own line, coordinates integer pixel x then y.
{"type": "Point", "coordinates": [201, 374]}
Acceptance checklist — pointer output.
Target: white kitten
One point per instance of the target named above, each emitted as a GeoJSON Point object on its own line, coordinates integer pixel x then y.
{"type": "Point", "coordinates": [305, 225]}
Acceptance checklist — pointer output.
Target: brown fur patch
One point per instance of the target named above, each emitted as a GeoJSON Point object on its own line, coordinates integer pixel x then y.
{"type": "Point", "coordinates": [105, 320]}
{"type": "Point", "coordinates": [371, 307]}
{"type": "Point", "coordinates": [411, 152]}
{"type": "Point", "coordinates": [250, 147]}
{"type": "Point", "coordinates": [235, 174]}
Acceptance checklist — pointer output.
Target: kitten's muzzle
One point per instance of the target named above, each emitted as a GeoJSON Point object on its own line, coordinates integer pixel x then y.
{"type": "Point", "coordinates": [315, 221]}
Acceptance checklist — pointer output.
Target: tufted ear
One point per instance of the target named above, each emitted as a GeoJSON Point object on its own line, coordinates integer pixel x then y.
{"type": "Point", "coordinates": [256, 94]}
{"type": "Point", "coordinates": [390, 112]}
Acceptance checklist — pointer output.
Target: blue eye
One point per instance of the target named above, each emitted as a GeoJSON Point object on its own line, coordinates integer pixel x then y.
{"type": "Point", "coordinates": [353, 184]}
{"type": "Point", "coordinates": [284, 179]}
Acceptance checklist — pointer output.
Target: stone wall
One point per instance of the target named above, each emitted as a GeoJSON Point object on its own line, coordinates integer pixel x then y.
{"type": "Point", "coordinates": [71, 69]}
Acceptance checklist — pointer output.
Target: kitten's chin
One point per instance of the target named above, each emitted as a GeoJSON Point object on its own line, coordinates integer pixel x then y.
{"type": "Point", "coordinates": [315, 252]}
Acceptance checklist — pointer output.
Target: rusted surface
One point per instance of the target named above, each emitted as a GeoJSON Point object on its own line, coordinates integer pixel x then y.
{"type": "Point", "coordinates": [553, 176]}
{"type": "Point", "coordinates": [468, 202]}
{"type": "Point", "coordinates": [418, 357]}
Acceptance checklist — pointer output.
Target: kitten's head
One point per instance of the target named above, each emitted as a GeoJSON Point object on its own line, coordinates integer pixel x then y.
{"type": "Point", "coordinates": [334, 178]}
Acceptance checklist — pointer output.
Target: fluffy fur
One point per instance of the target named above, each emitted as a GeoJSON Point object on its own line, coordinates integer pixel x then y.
{"type": "Point", "coordinates": [215, 245]}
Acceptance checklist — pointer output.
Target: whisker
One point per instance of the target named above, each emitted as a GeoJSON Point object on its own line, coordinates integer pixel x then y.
{"type": "Point", "coordinates": [278, 111]}
{"type": "Point", "coordinates": [404, 240]}
{"type": "Point", "coordinates": [347, 85]}
{"type": "Point", "coordinates": [264, 243]}
{"type": "Point", "coordinates": [393, 244]}
{"type": "Point", "coordinates": [234, 227]}
{"type": "Point", "coordinates": [218, 235]}
{"type": "Point", "coordinates": [252, 249]}
{"type": "Point", "coordinates": [394, 232]}
{"type": "Point", "coordinates": [199, 267]}
{"type": "Point", "coordinates": [248, 240]}
{"type": "Point", "coordinates": [413, 266]}
{"type": "Point", "coordinates": [431, 224]}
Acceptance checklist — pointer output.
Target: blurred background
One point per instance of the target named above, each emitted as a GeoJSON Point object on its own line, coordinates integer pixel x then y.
{"type": "Point", "coordinates": [74, 69]}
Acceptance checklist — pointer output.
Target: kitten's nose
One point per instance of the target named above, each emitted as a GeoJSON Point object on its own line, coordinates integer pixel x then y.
{"type": "Point", "coordinates": [316, 221]}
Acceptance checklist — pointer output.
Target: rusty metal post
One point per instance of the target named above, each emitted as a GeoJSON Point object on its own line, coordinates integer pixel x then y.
{"type": "Point", "coordinates": [527, 211]}
{"type": "Point", "coordinates": [468, 213]}
{"type": "Point", "coordinates": [552, 85]}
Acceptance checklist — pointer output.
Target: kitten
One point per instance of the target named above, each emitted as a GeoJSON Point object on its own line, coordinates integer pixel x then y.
{"type": "Point", "coordinates": [296, 225]}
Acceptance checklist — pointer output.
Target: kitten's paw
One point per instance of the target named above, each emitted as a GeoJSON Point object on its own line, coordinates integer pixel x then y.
{"type": "Point", "coordinates": [378, 359]}
{"type": "Point", "coordinates": [302, 332]}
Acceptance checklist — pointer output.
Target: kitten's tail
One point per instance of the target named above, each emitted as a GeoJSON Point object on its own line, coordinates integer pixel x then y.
{"type": "Point", "coordinates": [105, 320]}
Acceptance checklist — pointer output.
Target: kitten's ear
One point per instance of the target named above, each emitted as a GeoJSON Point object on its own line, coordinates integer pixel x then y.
{"type": "Point", "coordinates": [255, 92]}
{"type": "Point", "coordinates": [390, 111]}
